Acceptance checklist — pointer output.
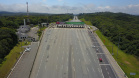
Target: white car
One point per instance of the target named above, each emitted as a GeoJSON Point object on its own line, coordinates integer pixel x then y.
{"type": "Point", "coordinates": [27, 49]}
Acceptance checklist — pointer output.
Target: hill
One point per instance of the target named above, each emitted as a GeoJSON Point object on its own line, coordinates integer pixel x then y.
{"type": "Point", "coordinates": [118, 28]}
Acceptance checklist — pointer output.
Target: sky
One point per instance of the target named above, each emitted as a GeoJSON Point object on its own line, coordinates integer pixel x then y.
{"type": "Point", "coordinates": [71, 6]}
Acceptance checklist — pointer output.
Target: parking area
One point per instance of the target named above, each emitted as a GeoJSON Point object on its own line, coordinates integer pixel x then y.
{"type": "Point", "coordinates": [106, 67]}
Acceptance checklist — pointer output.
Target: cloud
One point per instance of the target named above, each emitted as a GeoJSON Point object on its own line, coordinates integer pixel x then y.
{"type": "Point", "coordinates": [60, 0]}
{"type": "Point", "coordinates": [82, 8]}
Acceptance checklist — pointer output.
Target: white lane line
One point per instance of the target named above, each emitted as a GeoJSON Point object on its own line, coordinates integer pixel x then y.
{"type": "Point", "coordinates": [93, 69]}
{"type": "Point", "coordinates": [74, 69]}
{"type": "Point", "coordinates": [67, 68]}
{"type": "Point", "coordinates": [104, 64]}
{"type": "Point", "coordinates": [89, 60]}
{"type": "Point", "coordinates": [45, 67]}
{"type": "Point", "coordinates": [87, 69]}
{"type": "Point", "coordinates": [94, 60]}
{"type": "Point", "coordinates": [108, 73]}
{"type": "Point", "coordinates": [40, 65]}
{"type": "Point", "coordinates": [87, 53]}
{"type": "Point", "coordinates": [56, 66]}
{"type": "Point", "coordinates": [106, 68]}
{"type": "Point", "coordinates": [98, 69]}
{"type": "Point", "coordinates": [57, 57]}
{"type": "Point", "coordinates": [62, 66]}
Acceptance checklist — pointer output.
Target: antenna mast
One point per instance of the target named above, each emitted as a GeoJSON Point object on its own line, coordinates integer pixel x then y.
{"type": "Point", "coordinates": [27, 14]}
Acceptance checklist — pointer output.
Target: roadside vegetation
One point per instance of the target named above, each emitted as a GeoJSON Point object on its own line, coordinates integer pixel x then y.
{"type": "Point", "coordinates": [41, 29]}
{"type": "Point", "coordinates": [127, 62]}
{"type": "Point", "coordinates": [10, 60]}
{"type": "Point", "coordinates": [109, 29]}
{"type": "Point", "coordinates": [86, 22]}
{"type": "Point", "coordinates": [117, 27]}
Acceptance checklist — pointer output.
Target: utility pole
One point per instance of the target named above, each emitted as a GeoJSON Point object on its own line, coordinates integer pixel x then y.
{"type": "Point", "coordinates": [118, 46]}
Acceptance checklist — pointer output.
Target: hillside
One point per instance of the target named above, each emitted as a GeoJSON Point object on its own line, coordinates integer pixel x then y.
{"type": "Point", "coordinates": [118, 28]}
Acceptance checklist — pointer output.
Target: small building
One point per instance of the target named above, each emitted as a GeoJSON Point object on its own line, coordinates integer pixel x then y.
{"type": "Point", "coordinates": [24, 28]}
{"type": "Point", "coordinates": [22, 36]}
{"type": "Point", "coordinates": [44, 24]}
{"type": "Point", "coordinates": [22, 31]}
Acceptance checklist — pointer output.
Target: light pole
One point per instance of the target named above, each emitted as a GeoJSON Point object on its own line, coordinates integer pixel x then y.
{"type": "Point", "coordinates": [118, 46]}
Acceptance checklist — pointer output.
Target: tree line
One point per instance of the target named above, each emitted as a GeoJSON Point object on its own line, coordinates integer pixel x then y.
{"type": "Point", "coordinates": [9, 24]}
{"type": "Point", "coordinates": [117, 27]}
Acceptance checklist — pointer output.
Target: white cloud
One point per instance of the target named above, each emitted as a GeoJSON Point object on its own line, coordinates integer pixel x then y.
{"type": "Point", "coordinates": [43, 8]}
{"type": "Point", "coordinates": [60, 0]}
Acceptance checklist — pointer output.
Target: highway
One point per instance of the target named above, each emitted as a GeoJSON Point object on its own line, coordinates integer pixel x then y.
{"type": "Point", "coordinates": [66, 53]}
{"type": "Point", "coordinates": [70, 53]}
{"type": "Point", "coordinates": [75, 19]}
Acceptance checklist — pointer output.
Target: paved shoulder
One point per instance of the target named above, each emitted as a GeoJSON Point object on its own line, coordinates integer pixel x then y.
{"type": "Point", "coordinates": [23, 68]}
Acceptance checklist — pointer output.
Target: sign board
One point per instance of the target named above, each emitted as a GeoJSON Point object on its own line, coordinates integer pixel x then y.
{"type": "Point", "coordinates": [132, 73]}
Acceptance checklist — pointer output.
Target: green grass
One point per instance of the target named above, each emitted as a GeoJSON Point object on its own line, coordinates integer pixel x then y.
{"type": "Point", "coordinates": [127, 62]}
{"type": "Point", "coordinates": [69, 19]}
{"type": "Point", "coordinates": [40, 31]}
{"type": "Point", "coordinates": [10, 60]}
{"type": "Point", "coordinates": [86, 22]}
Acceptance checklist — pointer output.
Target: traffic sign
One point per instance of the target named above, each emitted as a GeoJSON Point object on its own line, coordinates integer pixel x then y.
{"type": "Point", "coordinates": [132, 73]}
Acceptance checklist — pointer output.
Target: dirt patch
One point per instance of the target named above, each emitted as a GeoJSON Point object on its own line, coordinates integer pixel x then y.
{"type": "Point", "coordinates": [127, 62]}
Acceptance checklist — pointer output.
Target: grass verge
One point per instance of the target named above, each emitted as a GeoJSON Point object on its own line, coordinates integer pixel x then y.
{"type": "Point", "coordinates": [40, 31]}
{"type": "Point", "coordinates": [69, 19]}
{"type": "Point", "coordinates": [127, 62]}
{"type": "Point", "coordinates": [10, 60]}
{"type": "Point", "coordinates": [86, 22]}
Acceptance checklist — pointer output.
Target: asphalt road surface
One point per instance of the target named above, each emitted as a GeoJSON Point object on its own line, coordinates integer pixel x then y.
{"type": "Point", "coordinates": [23, 68]}
{"type": "Point", "coordinates": [66, 53]}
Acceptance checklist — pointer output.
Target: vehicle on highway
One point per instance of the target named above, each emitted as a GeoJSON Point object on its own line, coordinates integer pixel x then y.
{"type": "Point", "coordinates": [100, 59]}
{"type": "Point", "coordinates": [27, 49]}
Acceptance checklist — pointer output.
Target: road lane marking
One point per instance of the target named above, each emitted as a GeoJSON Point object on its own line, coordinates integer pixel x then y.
{"type": "Point", "coordinates": [104, 64]}
{"type": "Point", "coordinates": [40, 65]}
{"type": "Point", "coordinates": [106, 68]}
{"type": "Point", "coordinates": [87, 69]}
{"type": "Point", "coordinates": [62, 66]}
{"type": "Point", "coordinates": [108, 72]}
{"type": "Point", "coordinates": [89, 60]}
{"type": "Point", "coordinates": [74, 69]}
{"type": "Point", "coordinates": [98, 69]}
{"type": "Point", "coordinates": [93, 69]}
{"type": "Point", "coordinates": [87, 53]}
{"type": "Point", "coordinates": [67, 68]}
{"type": "Point", "coordinates": [94, 60]}
{"type": "Point", "coordinates": [56, 66]}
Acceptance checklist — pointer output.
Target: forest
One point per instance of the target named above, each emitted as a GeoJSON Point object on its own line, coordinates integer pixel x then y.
{"type": "Point", "coordinates": [9, 24]}
{"type": "Point", "coordinates": [118, 28]}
